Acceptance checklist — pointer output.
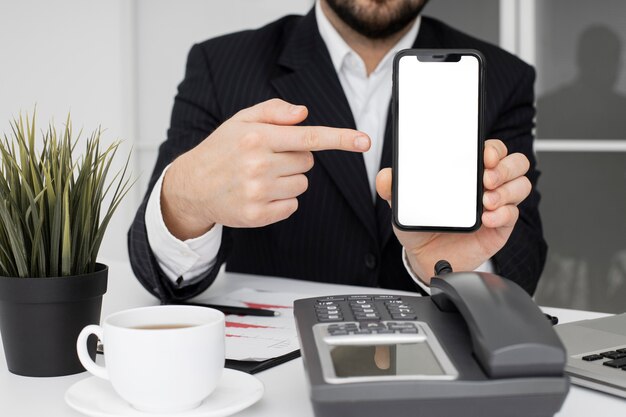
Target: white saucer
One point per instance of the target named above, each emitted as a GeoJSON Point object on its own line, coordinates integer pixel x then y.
{"type": "Point", "coordinates": [235, 391]}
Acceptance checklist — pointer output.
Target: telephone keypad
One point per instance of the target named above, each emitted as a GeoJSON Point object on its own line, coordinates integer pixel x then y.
{"type": "Point", "coordinates": [364, 308]}
{"type": "Point", "coordinates": [379, 327]}
{"type": "Point", "coordinates": [368, 333]}
{"type": "Point", "coordinates": [328, 311]}
{"type": "Point", "coordinates": [399, 310]}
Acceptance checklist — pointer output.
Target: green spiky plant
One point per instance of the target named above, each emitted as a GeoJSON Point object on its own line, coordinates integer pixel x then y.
{"type": "Point", "coordinates": [51, 218]}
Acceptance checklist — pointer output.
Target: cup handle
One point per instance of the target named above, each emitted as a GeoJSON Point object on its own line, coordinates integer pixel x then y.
{"type": "Point", "coordinates": [83, 354]}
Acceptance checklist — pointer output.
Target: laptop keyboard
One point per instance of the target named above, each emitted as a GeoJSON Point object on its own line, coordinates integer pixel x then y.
{"type": "Point", "coordinates": [612, 358]}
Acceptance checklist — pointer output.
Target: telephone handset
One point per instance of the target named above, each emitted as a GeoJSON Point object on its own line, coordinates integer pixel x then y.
{"type": "Point", "coordinates": [510, 335]}
{"type": "Point", "coordinates": [477, 343]}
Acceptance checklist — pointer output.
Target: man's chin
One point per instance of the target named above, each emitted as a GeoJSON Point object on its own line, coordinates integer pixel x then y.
{"type": "Point", "coordinates": [375, 25]}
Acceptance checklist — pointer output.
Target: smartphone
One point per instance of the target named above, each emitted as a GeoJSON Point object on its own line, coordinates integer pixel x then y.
{"type": "Point", "coordinates": [438, 99]}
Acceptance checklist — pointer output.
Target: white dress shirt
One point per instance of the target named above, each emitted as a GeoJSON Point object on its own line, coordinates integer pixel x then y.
{"type": "Point", "coordinates": [368, 97]}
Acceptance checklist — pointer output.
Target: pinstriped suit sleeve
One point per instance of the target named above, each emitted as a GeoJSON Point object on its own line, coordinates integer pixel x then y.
{"type": "Point", "coordinates": [194, 116]}
{"type": "Point", "coordinates": [523, 257]}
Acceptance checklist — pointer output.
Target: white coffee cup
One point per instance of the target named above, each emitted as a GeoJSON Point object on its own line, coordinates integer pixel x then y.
{"type": "Point", "coordinates": [160, 359]}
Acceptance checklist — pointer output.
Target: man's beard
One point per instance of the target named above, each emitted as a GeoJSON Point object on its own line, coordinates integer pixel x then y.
{"type": "Point", "coordinates": [379, 21]}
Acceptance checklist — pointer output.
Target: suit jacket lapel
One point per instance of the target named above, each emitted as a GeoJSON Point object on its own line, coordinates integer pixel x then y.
{"type": "Point", "coordinates": [426, 38]}
{"type": "Point", "coordinates": [311, 80]}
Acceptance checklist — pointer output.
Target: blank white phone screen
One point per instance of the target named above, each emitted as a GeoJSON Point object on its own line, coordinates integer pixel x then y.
{"type": "Point", "coordinates": [437, 142]}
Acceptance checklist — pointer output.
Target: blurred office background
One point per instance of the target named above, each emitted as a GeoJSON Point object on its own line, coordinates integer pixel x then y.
{"type": "Point", "coordinates": [117, 63]}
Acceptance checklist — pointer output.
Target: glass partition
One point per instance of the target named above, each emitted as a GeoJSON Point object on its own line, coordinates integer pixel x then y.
{"type": "Point", "coordinates": [581, 124]}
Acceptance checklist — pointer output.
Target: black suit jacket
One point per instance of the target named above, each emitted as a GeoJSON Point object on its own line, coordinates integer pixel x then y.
{"type": "Point", "coordinates": [337, 235]}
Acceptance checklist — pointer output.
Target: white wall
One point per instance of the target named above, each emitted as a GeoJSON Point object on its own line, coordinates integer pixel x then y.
{"type": "Point", "coordinates": [65, 55]}
{"type": "Point", "coordinates": [70, 56]}
{"type": "Point", "coordinates": [166, 31]}
{"type": "Point", "coordinates": [114, 63]}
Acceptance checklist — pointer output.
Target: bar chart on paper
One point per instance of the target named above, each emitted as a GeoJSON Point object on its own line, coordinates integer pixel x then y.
{"type": "Point", "coordinates": [254, 338]}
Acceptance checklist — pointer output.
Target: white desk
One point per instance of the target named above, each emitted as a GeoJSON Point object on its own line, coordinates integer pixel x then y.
{"type": "Point", "coordinates": [285, 386]}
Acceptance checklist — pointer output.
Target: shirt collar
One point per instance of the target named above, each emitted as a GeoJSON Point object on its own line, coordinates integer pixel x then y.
{"type": "Point", "coordinates": [339, 49]}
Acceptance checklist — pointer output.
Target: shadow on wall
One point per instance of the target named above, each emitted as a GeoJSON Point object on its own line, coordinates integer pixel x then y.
{"type": "Point", "coordinates": [589, 107]}
{"type": "Point", "coordinates": [584, 193]}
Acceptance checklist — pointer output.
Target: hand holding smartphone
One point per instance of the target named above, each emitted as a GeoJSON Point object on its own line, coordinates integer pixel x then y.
{"type": "Point", "coordinates": [438, 98]}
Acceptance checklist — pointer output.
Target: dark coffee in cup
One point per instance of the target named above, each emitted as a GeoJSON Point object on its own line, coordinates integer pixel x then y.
{"type": "Point", "coordinates": [162, 326]}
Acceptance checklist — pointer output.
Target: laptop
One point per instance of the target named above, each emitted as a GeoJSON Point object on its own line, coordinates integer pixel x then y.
{"type": "Point", "coordinates": [596, 353]}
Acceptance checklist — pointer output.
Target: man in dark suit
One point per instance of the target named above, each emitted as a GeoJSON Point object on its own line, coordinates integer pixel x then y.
{"type": "Point", "coordinates": [263, 168]}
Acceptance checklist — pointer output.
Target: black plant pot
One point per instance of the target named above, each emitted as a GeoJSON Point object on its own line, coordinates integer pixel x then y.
{"type": "Point", "coordinates": [40, 319]}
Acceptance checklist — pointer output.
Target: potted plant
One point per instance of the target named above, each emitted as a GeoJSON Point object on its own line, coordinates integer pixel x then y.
{"type": "Point", "coordinates": [52, 221]}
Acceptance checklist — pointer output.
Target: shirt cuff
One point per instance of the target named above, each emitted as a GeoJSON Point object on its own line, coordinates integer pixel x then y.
{"type": "Point", "coordinates": [181, 261]}
{"type": "Point", "coordinates": [412, 274]}
{"type": "Point", "coordinates": [485, 267]}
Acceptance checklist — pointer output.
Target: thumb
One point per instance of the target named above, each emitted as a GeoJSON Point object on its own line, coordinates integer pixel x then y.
{"type": "Point", "coordinates": [383, 184]}
{"type": "Point", "coordinates": [274, 111]}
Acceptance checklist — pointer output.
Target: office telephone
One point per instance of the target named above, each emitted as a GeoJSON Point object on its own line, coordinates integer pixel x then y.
{"type": "Point", "coordinates": [479, 346]}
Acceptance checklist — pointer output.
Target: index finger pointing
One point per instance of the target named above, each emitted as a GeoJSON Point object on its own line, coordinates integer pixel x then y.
{"type": "Point", "coordinates": [318, 138]}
